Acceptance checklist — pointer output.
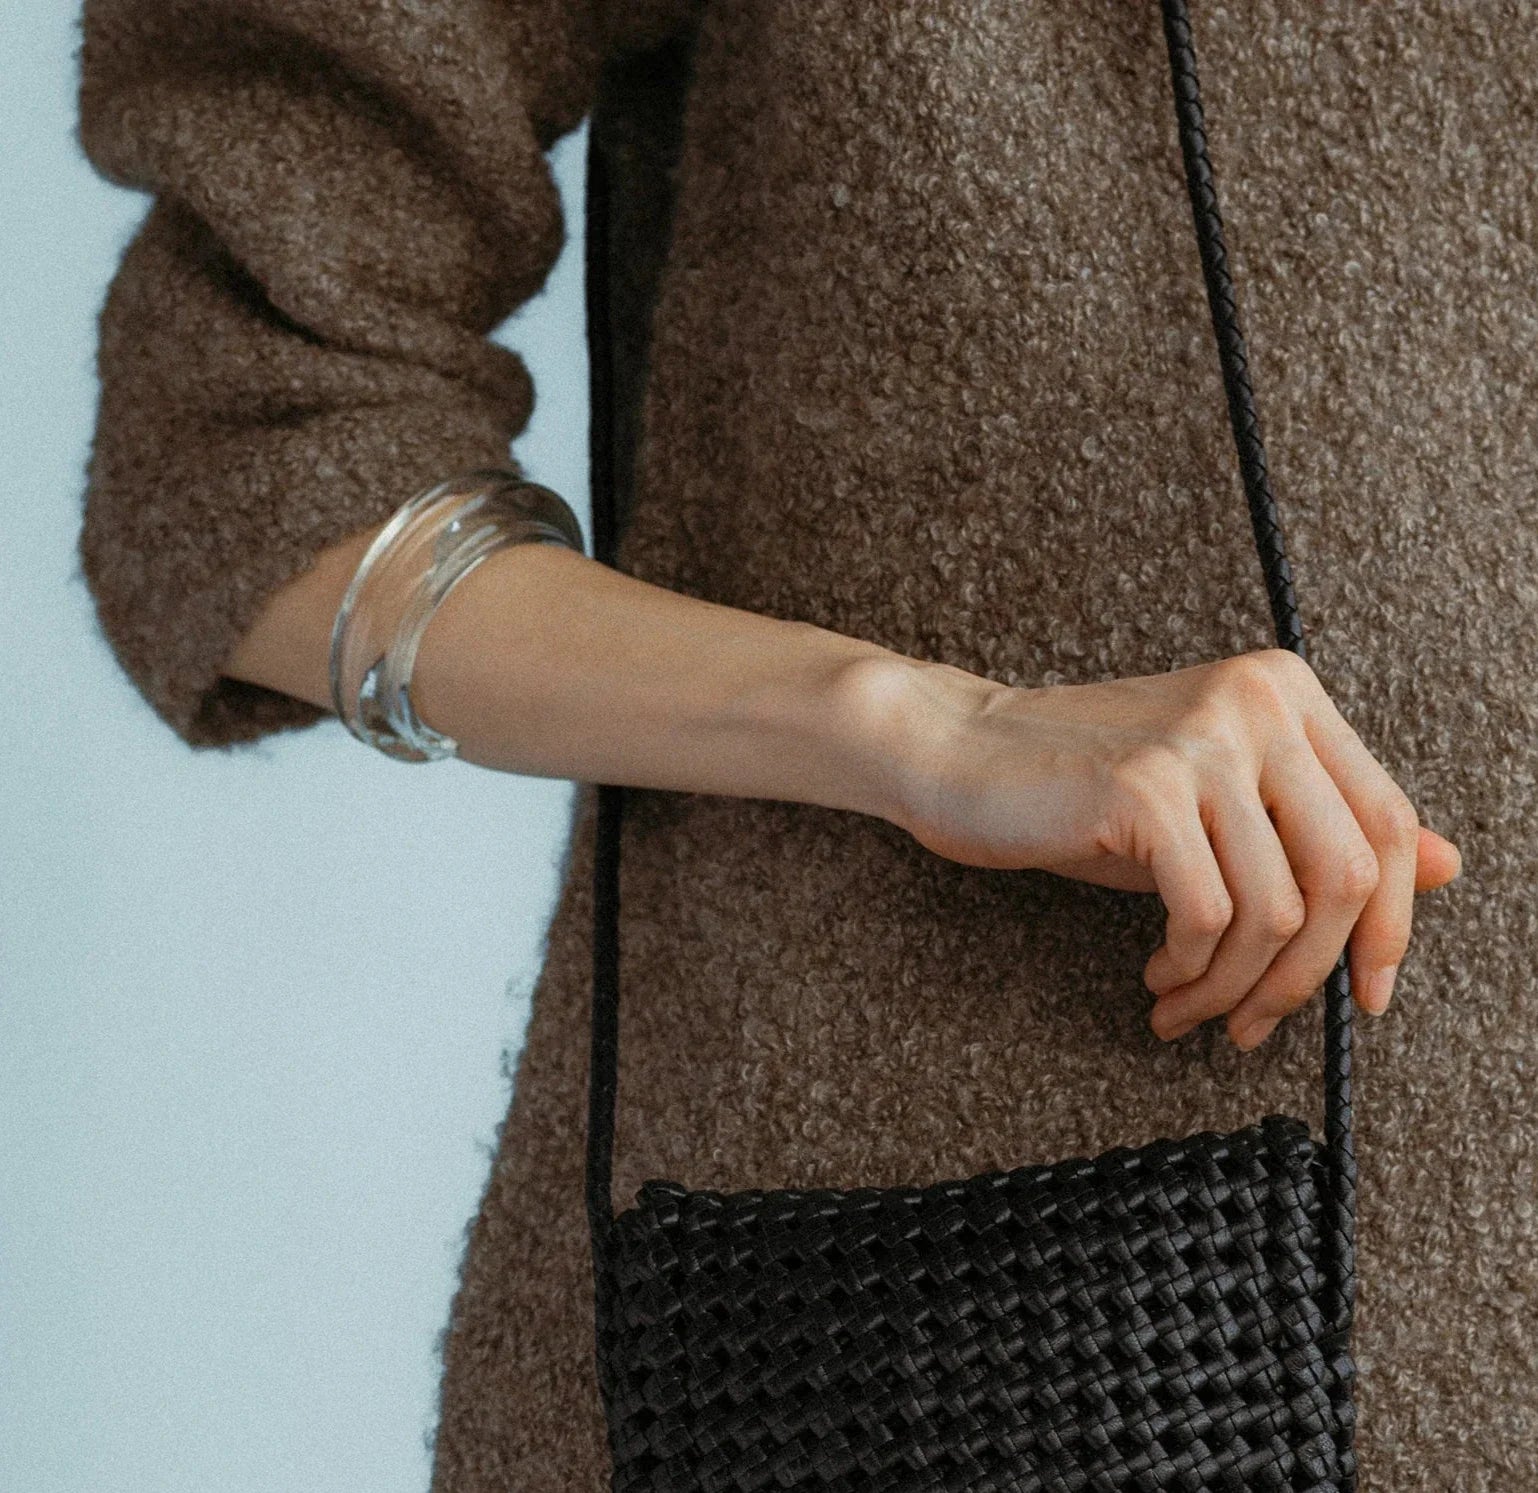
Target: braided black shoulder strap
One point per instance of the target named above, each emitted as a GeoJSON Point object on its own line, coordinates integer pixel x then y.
{"type": "Point", "coordinates": [1339, 1181]}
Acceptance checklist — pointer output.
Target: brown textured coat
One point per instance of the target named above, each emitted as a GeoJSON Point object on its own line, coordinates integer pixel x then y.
{"type": "Point", "coordinates": [929, 365]}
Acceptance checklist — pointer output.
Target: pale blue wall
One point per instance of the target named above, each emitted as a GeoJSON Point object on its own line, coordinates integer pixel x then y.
{"type": "Point", "coordinates": [253, 1009]}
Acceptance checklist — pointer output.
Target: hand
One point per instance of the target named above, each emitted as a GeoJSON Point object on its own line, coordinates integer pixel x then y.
{"type": "Point", "coordinates": [1234, 789]}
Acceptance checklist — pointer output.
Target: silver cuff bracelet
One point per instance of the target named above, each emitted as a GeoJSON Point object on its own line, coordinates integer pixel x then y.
{"type": "Point", "coordinates": [429, 545]}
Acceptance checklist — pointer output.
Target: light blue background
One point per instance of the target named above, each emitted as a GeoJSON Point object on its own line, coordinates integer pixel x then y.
{"type": "Point", "coordinates": [255, 1008]}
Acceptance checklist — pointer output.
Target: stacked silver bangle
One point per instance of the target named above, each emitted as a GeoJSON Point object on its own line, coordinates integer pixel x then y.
{"type": "Point", "coordinates": [430, 544]}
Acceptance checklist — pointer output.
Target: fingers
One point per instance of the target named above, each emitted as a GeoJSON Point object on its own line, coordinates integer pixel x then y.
{"type": "Point", "coordinates": [1437, 862]}
{"type": "Point", "coordinates": [1274, 837]}
{"type": "Point", "coordinates": [1336, 869]}
{"type": "Point", "coordinates": [1191, 883]}
{"type": "Point", "coordinates": [1389, 821]}
{"type": "Point", "coordinates": [1269, 913]}
{"type": "Point", "coordinates": [1323, 851]}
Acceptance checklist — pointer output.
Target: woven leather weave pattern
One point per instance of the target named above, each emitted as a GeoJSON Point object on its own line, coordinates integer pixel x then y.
{"type": "Point", "coordinates": [1147, 1319]}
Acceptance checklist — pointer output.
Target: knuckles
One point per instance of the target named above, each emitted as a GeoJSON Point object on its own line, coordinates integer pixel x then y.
{"type": "Point", "coordinates": [1268, 684]}
{"type": "Point", "coordinates": [1394, 821]}
{"type": "Point", "coordinates": [1285, 920]}
{"type": "Point", "coordinates": [1357, 876]}
{"type": "Point", "coordinates": [1211, 918]}
{"type": "Point", "coordinates": [1285, 665]}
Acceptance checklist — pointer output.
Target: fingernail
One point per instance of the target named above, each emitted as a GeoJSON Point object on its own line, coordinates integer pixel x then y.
{"type": "Point", "coordinates": [1169, 1033]}
{"type": "Point", "coordinates": [1380, 985]}
{"type": "Point", "coordinates": [1256, 1032]}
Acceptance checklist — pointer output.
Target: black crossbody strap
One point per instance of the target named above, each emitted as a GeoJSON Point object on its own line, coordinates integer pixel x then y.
{"type": "Point", "coordinates": [1339, 1181]}
{"type": "Point", "coordinates": [1338, 1225]}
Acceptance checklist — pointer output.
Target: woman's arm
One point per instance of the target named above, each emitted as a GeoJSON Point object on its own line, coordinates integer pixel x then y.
{"type": "Point", "coordinates": [346, 202]}
{"type": "Point", "coordinates": [1234, 789]}
{"type": "Point", "coordinates": [545, 662]}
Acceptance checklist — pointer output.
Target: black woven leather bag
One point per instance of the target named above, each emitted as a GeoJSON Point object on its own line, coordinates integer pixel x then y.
{"type": "Point", "coordinates": [1174, 1316]}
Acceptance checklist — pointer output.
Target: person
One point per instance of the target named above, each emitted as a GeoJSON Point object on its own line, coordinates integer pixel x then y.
{"type": "Point", "coordinates": [935, 653]}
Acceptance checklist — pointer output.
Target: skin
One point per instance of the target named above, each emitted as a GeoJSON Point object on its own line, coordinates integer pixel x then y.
{"type": "Point", "coordinates": [1234, 789]}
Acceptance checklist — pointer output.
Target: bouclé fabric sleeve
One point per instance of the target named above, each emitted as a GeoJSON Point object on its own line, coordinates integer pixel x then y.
{"type": "Point", "coordinates": [344, 201]}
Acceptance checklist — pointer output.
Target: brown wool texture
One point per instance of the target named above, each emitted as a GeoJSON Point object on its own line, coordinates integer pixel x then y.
{"type": "Point", "coordinates": [930, 365]}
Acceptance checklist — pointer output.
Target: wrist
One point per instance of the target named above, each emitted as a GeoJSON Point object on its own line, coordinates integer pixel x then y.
{"type": "Point", "coordinates": [903, 717]}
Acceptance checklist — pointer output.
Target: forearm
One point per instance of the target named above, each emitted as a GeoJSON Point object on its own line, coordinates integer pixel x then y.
{"type": "Point", "coordinates": [543, 662]}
